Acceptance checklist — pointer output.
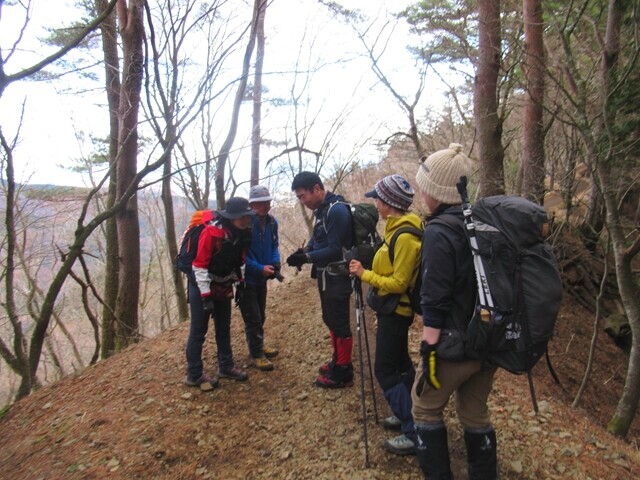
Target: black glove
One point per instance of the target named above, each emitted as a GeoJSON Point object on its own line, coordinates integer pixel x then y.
{"type": "Point", "coordinates": [239, 293]}
{"type": "Point", "coordinates": [428, 354]}
{"type": "Point", "coordinates": [297, 259]}
{"type": "Point", "coordinates": [207, 305]}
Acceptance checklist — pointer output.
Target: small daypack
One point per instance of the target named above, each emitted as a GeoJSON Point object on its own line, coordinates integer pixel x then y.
{"type": "Point", "coordinates": [189, 241]}
{"type": "Point", "coordinates": [413, 293]}
{"type": "Point", "coordinates": [364, 234]}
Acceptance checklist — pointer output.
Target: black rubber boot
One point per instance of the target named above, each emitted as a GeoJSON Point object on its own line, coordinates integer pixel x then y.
{"type": "Point", "coordinates": [433, 452]}
{"type": "Point", "coordinates": [482, 454]}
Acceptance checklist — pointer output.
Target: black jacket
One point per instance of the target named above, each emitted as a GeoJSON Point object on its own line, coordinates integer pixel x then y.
{"type": "Point", "coordinates": [448, 290]}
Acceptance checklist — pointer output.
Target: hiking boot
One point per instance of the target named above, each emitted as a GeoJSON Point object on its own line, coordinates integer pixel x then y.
{"type": "Point", "coordinates": [327, 367]}
{"type": "Point", "coordinates": [400, 445]}
{"type": "Point", "coordinates": [205, 382]}
{"type": "Point", "coordinates": [341, 376]}
{"type": "Point", "coordinates": [271, 352]}
{"type": "Point", "coordinates": [262, 363]}
{"type": "Point", "coordinates": [391, 423]}
{"type": "Point", "coordinates": [234, 373]}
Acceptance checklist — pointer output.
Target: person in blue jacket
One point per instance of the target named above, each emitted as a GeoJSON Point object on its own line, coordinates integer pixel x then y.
{"type": "Point", "coordinates": [262, 264]}
{"type": "Point", "coordinates": [331, 233]}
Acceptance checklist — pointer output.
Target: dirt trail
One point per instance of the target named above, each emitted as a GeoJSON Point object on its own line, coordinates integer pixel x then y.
{"type": "Point", "coordinates": [131, 416]}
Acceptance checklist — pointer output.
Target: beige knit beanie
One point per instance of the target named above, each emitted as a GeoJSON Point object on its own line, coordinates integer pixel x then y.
{"type": "Point", "coordinates": [439, 173]}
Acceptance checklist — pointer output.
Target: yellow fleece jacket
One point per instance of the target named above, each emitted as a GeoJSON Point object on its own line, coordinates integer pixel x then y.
{"type": "Point", "coordinates": [397, 278]}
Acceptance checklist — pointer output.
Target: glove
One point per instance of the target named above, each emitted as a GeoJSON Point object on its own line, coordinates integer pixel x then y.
{"type": "Point", "coordinates": [428, 354]}
{"type": "Point", "coordinates": [297, 259]}
{"type": "Point", "coordinates": [239, 293]}
{"type": "Point", "coordinates": [207, 305]}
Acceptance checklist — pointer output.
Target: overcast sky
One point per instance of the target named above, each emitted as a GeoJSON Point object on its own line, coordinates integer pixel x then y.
{"type": "Point", "coordinates": [54, 119]}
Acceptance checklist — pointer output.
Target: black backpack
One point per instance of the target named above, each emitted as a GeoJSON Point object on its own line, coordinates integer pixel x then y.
{"type": "Point", "coordinates": [413, 293]}
{"type": "Point", "coordinates": [523, 280]}
{"type": "Point", "coordinates": [364, 234]}
{"type": "Point", "coordinates": [519, 284]}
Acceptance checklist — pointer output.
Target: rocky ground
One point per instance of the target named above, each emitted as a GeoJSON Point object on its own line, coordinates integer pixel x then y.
{"type": "Point", "coordinates": [132, 417]}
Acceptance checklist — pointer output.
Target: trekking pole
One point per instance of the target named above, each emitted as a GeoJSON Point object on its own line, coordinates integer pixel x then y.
{"type": "Point", "coordinates": [484, 294]}
{"type": "Point", "coordinates": [360, 301]}
{"type": "Point", "coordinates": [356, 285]}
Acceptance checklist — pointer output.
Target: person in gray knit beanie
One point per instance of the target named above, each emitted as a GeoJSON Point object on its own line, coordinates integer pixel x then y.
{"type": "Point", "coordinates": [439, 173]}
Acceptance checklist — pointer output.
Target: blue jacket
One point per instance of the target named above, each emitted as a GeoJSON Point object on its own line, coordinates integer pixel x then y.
{"type": "Point", "coordinates": [263, 250]}
{"type": "Point", "coordinates": [331, 231]}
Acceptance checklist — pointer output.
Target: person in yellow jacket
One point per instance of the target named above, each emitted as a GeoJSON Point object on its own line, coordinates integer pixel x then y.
{"type": "Point", "coordinates": [389, 286]}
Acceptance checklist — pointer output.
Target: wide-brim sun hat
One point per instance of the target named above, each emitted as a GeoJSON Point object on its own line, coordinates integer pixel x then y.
{"type": "Point", "coordinates": [237, 207]}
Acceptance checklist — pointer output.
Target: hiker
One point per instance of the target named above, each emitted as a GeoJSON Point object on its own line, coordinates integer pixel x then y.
{"type": "Point", "coordinates": [448, 295]}
{"type": "Point", "coordinates": [217, 266]}
{"type": "Point", "coordinates": [331, 233]}
{"type": "Point", "coordinates": [389, 282]}
{"type": "Point", "coordinates": [262, 264]}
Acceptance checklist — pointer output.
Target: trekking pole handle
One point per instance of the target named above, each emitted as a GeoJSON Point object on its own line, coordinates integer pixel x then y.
{"type": "Point", "coordinates": [462, 190]}
{"type": "Point", "coordinates": [466, 205]}
{"type": "Point", "coordinates": [484, 293]}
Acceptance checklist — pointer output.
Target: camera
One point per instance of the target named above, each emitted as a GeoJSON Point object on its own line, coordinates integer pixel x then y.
{"type": "Point", "coordinates": [276, 272]}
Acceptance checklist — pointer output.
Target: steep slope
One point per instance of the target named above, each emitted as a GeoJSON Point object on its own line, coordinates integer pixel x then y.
{"type": "Point", "coordinates": [131, 416]}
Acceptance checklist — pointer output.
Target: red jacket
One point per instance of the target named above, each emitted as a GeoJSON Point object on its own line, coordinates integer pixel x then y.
{"type": "Point", "coordinates": [224, 270]}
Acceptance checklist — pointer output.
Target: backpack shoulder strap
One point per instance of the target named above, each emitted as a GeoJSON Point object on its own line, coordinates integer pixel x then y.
{"type": "Point", "coordinates": [325, 214]}
{"type": "Point", "coordinates": [394, 238]}
{"type": "Point", "coordinates": [448, 220]}
{"type": "Point", "coordinates": [274, 228]}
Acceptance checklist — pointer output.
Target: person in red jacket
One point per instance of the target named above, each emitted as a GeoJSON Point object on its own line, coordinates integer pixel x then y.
{"type": "Point", "coordinates": [222, 248]}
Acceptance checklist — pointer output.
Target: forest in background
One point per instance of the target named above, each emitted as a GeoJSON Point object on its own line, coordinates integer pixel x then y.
{"type": "Point", "coordinates": [543, 100]}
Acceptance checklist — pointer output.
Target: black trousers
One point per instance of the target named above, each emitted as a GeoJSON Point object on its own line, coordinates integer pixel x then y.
{"type": "Point", "coordinates": [253, 306]}
{"type": "Point", "coordinates": [335, 301]}
{"type": "Point", "coordinates": [393, 363]}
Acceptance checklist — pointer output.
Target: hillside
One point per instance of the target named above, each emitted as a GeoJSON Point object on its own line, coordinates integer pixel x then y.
{"type": "Point", "coordinates": [131, 416]}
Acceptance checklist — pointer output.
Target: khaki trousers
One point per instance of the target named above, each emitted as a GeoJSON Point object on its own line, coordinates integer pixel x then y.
{"type": "Point", "coordinates": [469, 380]}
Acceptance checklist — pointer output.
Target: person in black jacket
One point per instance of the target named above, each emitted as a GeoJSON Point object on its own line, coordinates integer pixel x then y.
{"type": "Point", "coordinates": [448, 298]}
{"type": "Point", "coordinates": [331, 233]}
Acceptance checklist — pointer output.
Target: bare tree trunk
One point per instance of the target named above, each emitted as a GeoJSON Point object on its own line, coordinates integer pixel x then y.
{"type": "Point", "coordinates": [132, 32]}
{"type": "Point", "coordinates": [18, 360]}
{"type": "Point", "coordinates": [170, 230]}
{"type": "Point", "coordinates": [629, 292]}
{"type": "Point", "coordinates": [488, 123]}
{"type": "Point", "coordinates": [257, 96]}
{"type": "Point", "coordinates": [112, 80]}
{"type": "Point", "coordinates": [533, 155]}
{"type": "Point", "coordinates": [233, 127]}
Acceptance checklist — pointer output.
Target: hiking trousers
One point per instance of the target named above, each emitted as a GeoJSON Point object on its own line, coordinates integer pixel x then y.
{"type": "Point", "coordinates": [393, 368]}
{"type": "Point", "coordinates": [253, 305]}
{"type": "Point", "coordinates": [335, 301]}
{"type": "Point", "coordinates": [198, 331]}
{"type": "Point", "coordinates": [469, 381]}
{"type": "Point", "coordinates": [393, 362]}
